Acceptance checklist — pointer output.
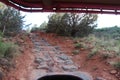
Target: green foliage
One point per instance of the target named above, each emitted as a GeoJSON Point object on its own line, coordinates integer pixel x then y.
{"type": "Point", "coordinates": [117, 65]}
{"type": "Point", "coordinates": [11, 21]}
{"type": "Point", "coordinates": [43, 26]}
{"type": "Point", "coordinates": [109, 48]}
{"type": "Point", "coordinates": [78, 45]}
{"type": "Point", "coordinates": [112, 32]}
{"type": "Point", "coordinates": [71, 24]}
{"type": "Point", "coordinates": [8, 50]}
{"type": "Point", "coordinates": [105, 56]}
{"type": "Point", "coordinates": [1, 35]}
{"type": "Point", "coordinates": [34, 29]}
{"type": "Point", "coordinates": [92, 53]}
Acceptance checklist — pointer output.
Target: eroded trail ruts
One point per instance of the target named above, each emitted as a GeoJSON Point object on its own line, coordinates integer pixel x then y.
{"type": "Point", "coordinates": [50, 59]}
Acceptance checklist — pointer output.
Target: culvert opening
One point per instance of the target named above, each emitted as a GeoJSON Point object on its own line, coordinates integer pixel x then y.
{"type": "Point", "coordinates": [60, 77]}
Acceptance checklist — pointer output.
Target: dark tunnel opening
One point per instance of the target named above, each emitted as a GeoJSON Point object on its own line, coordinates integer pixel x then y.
{"type": "Point", "coordinates": [60, 77]}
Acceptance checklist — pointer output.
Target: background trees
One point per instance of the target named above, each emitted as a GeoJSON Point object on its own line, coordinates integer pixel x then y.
{"type": "Point", "coordinates": [11, 21]}
{"type": "Point", "coordinates": [71, 24]}
{"type": "Point", "coordinates": [111, 32]}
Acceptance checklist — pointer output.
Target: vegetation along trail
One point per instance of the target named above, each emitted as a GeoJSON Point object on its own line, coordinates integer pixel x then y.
{"type": "Point", "coordinates": [48, 53]}
{"type": "Point", "coordinates": [68, 43]}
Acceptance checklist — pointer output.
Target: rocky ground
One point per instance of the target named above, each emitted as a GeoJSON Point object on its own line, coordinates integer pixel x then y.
{"type": "Point", "coordinates": [48, 53]}
{"type": "Point", "coordinates": [51, 59]}
{"type": "Point", "coordinates": [100, 69]}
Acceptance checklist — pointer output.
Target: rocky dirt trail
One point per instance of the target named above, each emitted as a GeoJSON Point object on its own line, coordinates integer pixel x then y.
{"type": "Point", "coordinates": [45, 54]}
{"type": "Point", "coordinates": [51, 59]}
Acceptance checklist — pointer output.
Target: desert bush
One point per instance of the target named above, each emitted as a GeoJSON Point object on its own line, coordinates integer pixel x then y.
{"type": "Point", "coordinates": [1, 35]}
{"type": "Point", "coordinates": [105, 56]}
{"type": "Point", "coordinates": [34, 29]}
{"type": "Point", "coordinates": [117, 65]}
{"type": "Point", "coordinates": [78, 45]}
{"type": "Point", "coordinates": [107, 45]}
{"type": "Point", "coordinates": [112, 32]}
{"type": "Point", "coordinates": [11, 21]}
{"type": "Point", "coordinates": [8, 50]}
{"type": "Point", "coordinates": [93, 52]}
{"type": "Point", "coordinates": [71, 24]}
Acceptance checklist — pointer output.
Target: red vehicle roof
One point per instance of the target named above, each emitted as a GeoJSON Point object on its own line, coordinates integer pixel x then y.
{"type": "Point", "coordinates": [84, 6]}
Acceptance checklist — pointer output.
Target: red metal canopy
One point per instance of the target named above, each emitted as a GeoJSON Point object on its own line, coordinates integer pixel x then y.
{"type": "Point", "coordinates": [83, 6]}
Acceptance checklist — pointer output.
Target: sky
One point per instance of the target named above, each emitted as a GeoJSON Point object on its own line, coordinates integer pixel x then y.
{"type": "Point", "coordinates": [104, 20]}
{"type": "Point", "coordinates": [35, 18]}
{"type": "Point", "coordinates": [107, 20]}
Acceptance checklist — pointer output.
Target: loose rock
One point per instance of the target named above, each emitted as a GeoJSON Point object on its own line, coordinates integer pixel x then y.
{"type": "Point", "coordinates": [64, 57]}
{"type": "Point", "coordinates": [43, 67]}
{"type": "Point", "coordinates": [99, 78]}
{"type": "Point", "coordinates": [68, 62]}
{"type": "Point", "coordinates": [39, 60]}
{"type": "Point", "coordinates": [113, 71]}
{"type": "Point", "coordinates": [69, 68]}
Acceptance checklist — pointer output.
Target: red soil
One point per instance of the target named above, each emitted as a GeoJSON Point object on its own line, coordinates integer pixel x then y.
{"type": "Point", "coordinates": [96, 66]}
{"type": "Point", "coordinates": [22, 62]}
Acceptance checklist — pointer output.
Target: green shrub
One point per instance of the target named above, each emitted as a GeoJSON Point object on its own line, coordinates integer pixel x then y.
{"type": "Point", "coordinates": [8, 50]}
{"type": "Point", "coordinates": [78, 45]}
{"type": "Point", "coordinates": [105, 56]}
{"type": "Point", "coordinates": [93, 53]}
{"type": "Point", "coordinates": [117, 65]}
{"type": "Point", "coordinates": [1, 35]}
{"type": "Point", "coordinates": [80, 26]}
